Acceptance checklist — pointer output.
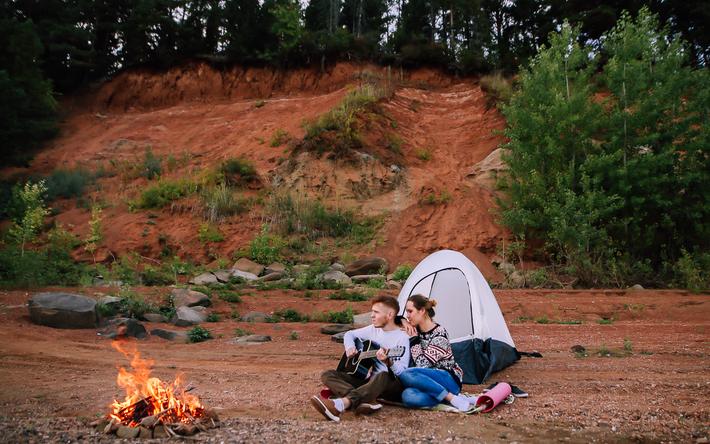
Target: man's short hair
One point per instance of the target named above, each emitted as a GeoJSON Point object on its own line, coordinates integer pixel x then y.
{"type": "Point", "coordinates": [388, 301]}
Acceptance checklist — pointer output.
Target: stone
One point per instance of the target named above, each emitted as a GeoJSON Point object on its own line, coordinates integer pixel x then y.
{"type": "Point", "coordinates": [516, 279]}
{"type": "Point", "coordinates": [145, 433]}
{"type": "Point", "coordinates": [578, 349]}
{"type": "Point", "coordinates": [186, 316]}
{"type": "Point", "coordinates": [337, 266]}
{"type": "Point", "coordinates": [245, 264]}
{"type": "Point", "coordinates": [369, 265]}
{"type": "Point", "coordinates": [300, 268]}
{"type": "Point", "coordinates": [183, 297]}
{"type": "Point", "coordinates": [274, 276]}
{"type": "Point", "coordinates": [122, 328]}
{"type": "Point", "coordinates": [506, 268]}
{"type": "Point", "coordinates": [337, 277]}
{"type": "Point", "coordinates": [244, 275]}
{"type": "Point", "coordinates": [393, 285]}
{"type": "Point", "coordinates": [275, 267]}
{"type": "Point", "coordinates": [335, 328]}
{"type": "Point", "coordinates": [112, 302]}
{"type": "Point", "coordinates": [159, 432]}
{"type": "Point", "coordinates": [338, 337]}
{"type": "Point", "coordinates": [223, 276]}
{"type": "Point", "coordinates": [365, 278]}
{"type": "Point", "coordinates": [486, 172]}
{"type": "Point", "coordinates": [204, 279]}
{"type": "Point", "coordinates": [154, 317]}
{"type": "Point", "coordinates": [635, 287]}
{"type": "Point", "coordinates": [252, 339]}
{"type": "Point", "coordinates": [170, 335]}
{"type": "Point", "coordinates": [255, 316]}
{"type": "Point", "coordinates": [362, 319]}
{"type": "Point", "coordinates": [63, 310]}
{"type": "Point", "coordinates": [126, 432]}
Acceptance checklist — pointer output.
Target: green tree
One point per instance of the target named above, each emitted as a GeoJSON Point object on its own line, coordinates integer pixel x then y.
{"type": "Point", "coordinates": [28, 223]}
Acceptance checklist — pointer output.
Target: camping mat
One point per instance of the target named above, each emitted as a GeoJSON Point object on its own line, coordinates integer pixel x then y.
{"type": "Point", "coordinates": [437, 408]}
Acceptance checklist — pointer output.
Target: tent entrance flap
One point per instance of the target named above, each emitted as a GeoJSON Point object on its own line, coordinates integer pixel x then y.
{"type": "Point", "coordinates": [479, 359]}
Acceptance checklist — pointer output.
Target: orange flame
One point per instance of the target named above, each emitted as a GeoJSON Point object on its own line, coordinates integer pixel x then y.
{"type": "Point", "coordinates": [147, 396]}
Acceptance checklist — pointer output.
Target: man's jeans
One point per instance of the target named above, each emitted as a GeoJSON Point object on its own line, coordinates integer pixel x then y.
{"type": "Point", "coordinates": [426, 387]}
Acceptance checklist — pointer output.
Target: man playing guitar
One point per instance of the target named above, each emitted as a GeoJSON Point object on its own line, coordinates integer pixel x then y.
{"type": "Point", "coordinates": [361, 394]}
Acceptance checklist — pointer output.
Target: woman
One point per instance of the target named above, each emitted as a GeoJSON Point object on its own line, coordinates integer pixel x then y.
{"type": "Point", "coordinates": [436, 377]}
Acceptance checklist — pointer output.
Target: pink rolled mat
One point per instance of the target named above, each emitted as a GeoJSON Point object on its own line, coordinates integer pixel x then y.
{"type": "Point", "coordinates": [494, 396]}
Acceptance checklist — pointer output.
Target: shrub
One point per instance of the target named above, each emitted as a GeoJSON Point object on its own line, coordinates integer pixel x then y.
{"type": "Point", "coordinates": [209, 233]}
{"type": "Point", "coordinates": [293, 336]}
{"type": "Point", "coordinates": [279, 137]}
{"type": "Point", "coordinates": [213, 317]}
{"type": "Point", "coordinates": [402, 272]}
{"type": "Point", "coordinates": [152, 276]}
{"type": "Point", "coordinates": [198, 334]}
{"type": "Point", "coordinates": [311, 218]}
{"type": "Point", "coordinates": [151, 165]}
{"type": "Point", "coordinates": [311, 279]}
{"type": "Point", "coordinates": [436, 199]}
{"type": "Point", "coordinates": [67, 183]}
{"type": "Point", "coordinates": [423, 154]}
{"type": "Point", "coordinates": [228, 295]}
{"type": "Point", "coordinates": [27, 224]}
{"type": "Point", "coordinates": [259, 103]}
{"type": "Point", "coordinates": [693, 271]}
{"type": "Point", "coordinates": [290, 315]}
{"type": "Point", "coordinates": [165, 192]}
{"type": "Point", "coordinates": [241, 332]}
{"type": "Point", "coordinates": [219, 203]}
{"type": "Point", "coordinates": [376, 283]}
{"type": "Point", "coordinates": [266, 248]}
{"type": "Point", "coordinates": [238, 171]}
{"type": "Point", "coordinates": [394, 143]}
{"type": "Point", "coordinates": [497, 88]}
{"type": "Point", "coordinates": [341, 317]}
{"type": "Point", "coordinates": [344, 295]}
{"type": "Point", "coordinates": [133, 304]}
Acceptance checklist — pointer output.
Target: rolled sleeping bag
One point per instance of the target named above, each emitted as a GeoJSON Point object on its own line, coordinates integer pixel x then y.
{"type": "Point", "coordinates": [493, 397]}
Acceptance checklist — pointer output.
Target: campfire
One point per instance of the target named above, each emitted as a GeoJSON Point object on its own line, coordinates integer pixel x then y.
{"type": "Point", "coordinates": [153, 408]}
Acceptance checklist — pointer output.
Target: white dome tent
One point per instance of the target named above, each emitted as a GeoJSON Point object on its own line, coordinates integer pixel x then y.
{"type": "Point", "coordinates": [468, 310]}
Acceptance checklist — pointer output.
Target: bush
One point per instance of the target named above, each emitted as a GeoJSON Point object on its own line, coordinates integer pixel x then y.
{"type": "Point", "coordinates": [209, 233]}
{"type": "Point", "coordinates": [402, 272]}
{"type": "Point", "coordinates": [290, 315]}
{"type": "Point", "coordinates": [165, 192]}
{"type": "Point", "coordinates": [213, 317]}
{"type": "Point", "coordinates": [279, 137]}
{"type": "Point", "coordinates": [377, 283]}
{"type": "Point", "coordinates": [341, 317]}
{"type": "Point", "coordinates": [497, 88]}
{"type": "Point", "coordinates": [151, 165]}
{"type": "Point", "coordinates": [133, 304]}
{"type": "Point", "coordinates": [423, 154]}
{"type": "Point", "coordinates": [436, 199]}
{"type": "Point", "coordinates": [238, 171]}
{"type": "Point", "coordinates": [219, 203]}
{"type": "Point", "coordinates": [693, 271]}
{"type": "Point", "coordinates": [344, 295]}
{"type": "Point", "coordinates": [67, 183]}
{"type": "Point", "coordinates": [152, 276]}
{"type": "Point", "coordinates": [307, 217]}
{"type": "Point", "coordinates": [198, 334]}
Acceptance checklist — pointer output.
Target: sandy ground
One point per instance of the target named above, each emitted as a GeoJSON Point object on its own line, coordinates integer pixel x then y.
{"type": "Point", "coordinates": [55, 382]}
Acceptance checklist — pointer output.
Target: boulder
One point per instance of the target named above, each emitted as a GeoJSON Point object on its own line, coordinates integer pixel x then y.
{"type": "Point", "coordinates": [300, 268]}
{"type": "Point", "coordinates": [126, 432]}
{"type": "Point", "coordinates": [338, 337]}
{"type": "Point", "coordinates": [335, 328]}
{"type": "Point", "coordinates": [170, 335]}
{"type": "Point", "coordinates": [393, 285]}
{"type": "Point", "coordinates": [486, 172]}
{"type": "Point", "coordinates": [337, 277]}
{"type": "Point", "coordinates": [274, 276]}
{"type": "Point", "coordinates": [275, 267]}
{"type": "Point", "coordinates": [362, 319]}
{"type": "Point", "coordinates": [123, 328]}
{"type": "Point", "coordinates": [337, 266]}
{"type": "Point", "coordinates": [516, 279]}
{"type": "Point", "coordinates": [183, 297]}
{"type": "Point", "coordinates": [635, 287]}
{"type": "Point", "coordinates": [252, 339]}
{"type": "Point", "coordinates": [112, 302]}
{"type": "Point", "coordinates": [369, 265]}
{"type": "Point", "coordinates": [62, 310]}
{"type": "Point", "coordinates": [154, 317]}
{"type": "Point", "coordinates": [223, 275]}
{"type": "Point", "coordinates": [245, 264]}
{"type": "Point", "coordinates": [204, 279]}
{"type": "Point", "coordinates": [255, 316]}
{"type": "Point", "coordinates": [365, 278]}
{"type": "Point", "coordinates": [186, 316]}
{"type": "Point", "coordinates": [244, 275]}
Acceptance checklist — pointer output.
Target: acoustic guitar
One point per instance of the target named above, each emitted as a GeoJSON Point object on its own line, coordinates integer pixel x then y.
{"type": "Point", "coordinates": [360, 364]}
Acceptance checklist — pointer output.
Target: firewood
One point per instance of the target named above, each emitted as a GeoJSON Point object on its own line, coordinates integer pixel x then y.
{"type": "Point", "coordinates": [185, 429]}
{"type": "Point", "coordinates": [111, 427]}
{"type": "Point", "coordinates": [149, 421]}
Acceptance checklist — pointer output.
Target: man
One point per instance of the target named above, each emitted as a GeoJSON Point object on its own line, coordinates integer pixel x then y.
{"type": "Point", "coordinates": [357, 394]}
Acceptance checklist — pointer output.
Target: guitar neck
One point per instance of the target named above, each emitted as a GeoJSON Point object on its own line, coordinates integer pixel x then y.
{"type": "Point", "coordinates": [372, 353]}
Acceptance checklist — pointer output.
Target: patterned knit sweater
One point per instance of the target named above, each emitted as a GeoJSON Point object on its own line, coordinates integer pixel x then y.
{"type": "Point", "coordinates": [431, 349]}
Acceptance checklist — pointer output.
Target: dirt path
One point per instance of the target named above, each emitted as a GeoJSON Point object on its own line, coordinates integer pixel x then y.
{"type": "Point", "coordinates": [654, 388]}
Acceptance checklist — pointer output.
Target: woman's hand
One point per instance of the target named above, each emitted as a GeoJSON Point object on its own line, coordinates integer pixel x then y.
{"type": "Point", "coordinates": [409, 328]}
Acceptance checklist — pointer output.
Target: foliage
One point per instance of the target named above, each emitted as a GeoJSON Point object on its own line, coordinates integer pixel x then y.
{"type": "Point", "coordinates": [238, 172]}
{"type": "Point", "coordinates": [220, 202]}
{"type": "Point", "coordinates": [423, 154]}
{"type": "Point", "coordinates": [152, 165]}
{"type": "Point", "coordinates": [290, 315]}
{"type": "Point", "coordinates": [266, 248]}
{"type": "Point", "coordinates": [198, 334]}
{"type": "Point", "coordinates": [92, 240]}
{"type": "Point", "coordinates": [213, 317]}
{"type": "Point", "coordinates": [377, 283]}
{"type": "Point", "coordinates": [209, 233]}
{"type": "Point", "coordinates": [433, 198]}
{"type": "Point", "coordinates": [497, 88]}
{"type": "Point", "coordinates": [402, 272]}
{"type": "Point", "coordinates": [341, 317]}
{"type": "Point", "coordinates": [228, 295]}
{"type": "Point", "coordinates": [279, 137]}
{"type": "Point", "coordinates": [693, 271]}
{"type": "Point", "coordinates": [67, 183]}
{"type": "Point", "coordinates": [165, 192]}
{"type": "Point", "coordinates": [609, 165]}
{"type": "Point", "coordinates": [27, 225]}
{"type": "Point", "coordinates": [344, 295]}
{"type": "Point", "coordinates": [133, 304]}
{"type": "Point", "coordinates": [311, 279]}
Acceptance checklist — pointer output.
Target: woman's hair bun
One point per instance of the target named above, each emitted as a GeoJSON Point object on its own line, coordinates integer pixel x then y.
{"type": "Point", "coordinates": [432, 303]}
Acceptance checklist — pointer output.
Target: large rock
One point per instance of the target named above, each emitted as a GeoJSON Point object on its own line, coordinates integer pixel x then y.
{"type": "Point", "coordinates": [245, 264]}
{"type": "Point", "coordinates": [170, 335]}
{"type": "Point", "coordinates": [186, 316]}
{"type": "Point", "coordinates": [362, 319]}
{"type": "Point", "coordinates": [337, 277]}
{"type": "Point", "coordinates": [154, 317]}
{"type": "Point", "coordinates": [487, 171]}
{"type": "Point", "coordinates": [275, 276]}
{"type": "Point", "coordinates": [393, 285]}
{"type": "Point", "coordinates": [335, 328]}
{"type": "Point", "coordinates": [123, 328]}
{"type": "Point", "coordinates": [111, 302]}
{"type": "Point", "coordinates": [244, 275]}
{"type": "Point", "coordinates": [338, 337]}
{"type": "Point", "coordinates": [275, 267]}
{"type": "Point", "coordinates": [223, 276]}
{"type": "Point", "coordinates": [63, 310]}
{"type": "Point", "coordinates": [204, 279]}
{"type": "Point", "coordinates": [369, 265]}
{"type": "Point", "coordinates": [337, 266]}
{"type": "Point", "coordinates": [183, 297]}
{"type": "Point", "coordinates": [365, 278]}
{"type": "Point", "coordinates": [255, 316]}
{"type": "Point", "coordinates": [300, 268]}
{"type": "Point", "coordinates": [252, 339]}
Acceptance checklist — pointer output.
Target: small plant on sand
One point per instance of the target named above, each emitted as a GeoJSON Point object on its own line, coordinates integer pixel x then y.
{"type": "Point", "coordinates": [423, 154]}
{"type": "Point", "coordinates": [164, 193]}
{"type": "Point", "coordinates": [259, 103]}
{"type": "Point", "coordinates": [290, 315]}
{"type": "Point", "coordinates": [279, 137]}
{"type": "Point", "coordinates": [628, 345]}
{"type": "Point", "coordinates": [209, 233]}
{"type": "Point", "coordinates": [239, 332]}
{"type": "Point", "coordinates": [198, 334]}
{"type": "Point", "coordinates": [213, 317]}
{"type": "Point", "coordinates": [402, 272]}
{"type": "Point", "coordinates": [542, 320]}
{"type": "Point", "coordinates": [606, 321]}
{"type": "Point", "coordinates": [436, 199]}
{"type": "Point", "coordinates": [152, 165]}
{"type": "Point", "coordinates": [91, 242]}
{"type": "Point", "coordinates": [377, 283]}
{"type": "Point", "coordinates": [266, 248]}
{"type": "Point", "coordinates": [293, 336]}
{"type": "Point", "coordinates": [344, 295]}
{"type": "Point", "coordinates": [28, 223]}
{"type": "Point", "coordinates": [220, 202]}
{"type": "Point", "coordinates": [238, 171]}
{"type": "Point", "coordinates": [497, 88]}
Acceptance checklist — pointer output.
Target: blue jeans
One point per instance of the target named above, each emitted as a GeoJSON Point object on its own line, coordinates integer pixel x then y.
{"type": "Point", "coordinates": [426, 387]}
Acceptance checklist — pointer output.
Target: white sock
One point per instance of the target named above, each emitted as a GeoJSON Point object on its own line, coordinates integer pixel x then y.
{"type": "Point", "coordinates": [460, 403]}
{"type": "Point", "coordinates": [339, 404]}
